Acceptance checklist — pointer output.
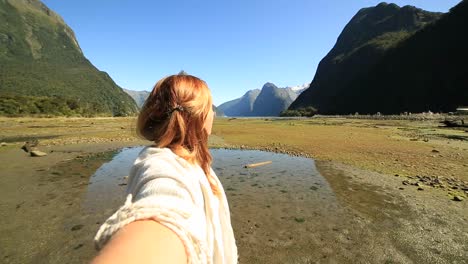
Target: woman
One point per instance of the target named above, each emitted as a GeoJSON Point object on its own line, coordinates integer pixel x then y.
{"type": "Point", "coordinates": [176, 209]}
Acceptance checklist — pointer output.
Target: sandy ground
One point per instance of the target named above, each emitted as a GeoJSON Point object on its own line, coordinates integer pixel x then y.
{"type": "Point", "coordinates": [377, 219]}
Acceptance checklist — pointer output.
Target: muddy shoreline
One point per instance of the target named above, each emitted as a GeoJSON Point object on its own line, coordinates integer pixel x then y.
{"type": "Point", "coordinates": [376, 221]}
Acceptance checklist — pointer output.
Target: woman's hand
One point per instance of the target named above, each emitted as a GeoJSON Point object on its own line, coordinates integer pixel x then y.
{"type": "Point", "coordinates": [143, 241]}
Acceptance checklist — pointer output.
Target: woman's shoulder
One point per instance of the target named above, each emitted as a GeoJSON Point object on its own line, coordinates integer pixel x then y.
{"type": "Point", "coordinates": [153, 163]}
{"type": "Point", "coordinates": [161, 157]}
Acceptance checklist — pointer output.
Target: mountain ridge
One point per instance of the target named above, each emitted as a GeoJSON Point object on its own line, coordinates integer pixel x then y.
{"type": "Point", "coordinates": [268, 101]}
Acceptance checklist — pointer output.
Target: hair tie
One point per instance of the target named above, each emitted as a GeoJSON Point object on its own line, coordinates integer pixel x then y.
{"type": "Point", "coordinates": [176, 108]}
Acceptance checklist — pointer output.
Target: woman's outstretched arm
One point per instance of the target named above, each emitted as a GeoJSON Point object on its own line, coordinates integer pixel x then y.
{"type": "Point", "coordinates": [143, 241]}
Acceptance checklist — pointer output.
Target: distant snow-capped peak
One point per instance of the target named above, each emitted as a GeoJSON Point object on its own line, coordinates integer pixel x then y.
{"type": "Point", "coordinates": [299, 87]}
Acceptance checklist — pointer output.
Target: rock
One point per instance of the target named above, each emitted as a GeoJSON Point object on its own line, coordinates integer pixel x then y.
{"type": "Point", "coordinates": [420, 189]}
{"type": "Point", "coordinates": [435, 151]}
{"type": "Point", "coordinates": [458, 198]}
{"type": "Point", "coordinates": [3, 144]}
{"type": "Point", "coordinates": [405, 182]}
{"type": "Point", "coordinates": [78, 246]}
{"type": "Point", "coordinates": [77, 227]}
{"type": "Point", "coordinates": [26, 147]}
{"type": "Point", "coordinates": [37, 153]}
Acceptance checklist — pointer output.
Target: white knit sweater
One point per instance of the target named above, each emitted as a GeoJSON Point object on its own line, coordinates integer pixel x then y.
{"type": "Point", "coordinates": [168, 189]}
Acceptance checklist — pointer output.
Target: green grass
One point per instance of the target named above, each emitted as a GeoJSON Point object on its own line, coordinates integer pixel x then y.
{"type": "Point", "coordinates": [299, 219]}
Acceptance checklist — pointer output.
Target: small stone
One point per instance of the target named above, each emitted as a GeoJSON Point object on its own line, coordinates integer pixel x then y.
{"type": "Point", "coordinates": [435, 151]}
{"type": "Point", "coordinates": [3, 144]}
{"type": "Point", "coordinates": [37, 153]}
{"type": "Point", "coordinates": [78, 246]}
{"type": "Point", "coordinates": [458, 198]}
{"type": "Point", "coordinates": [405, 182]}
{"type": "Point", "coordinates": [26, 147]}
{"type": "Point", "coordinates": [420, 189]}
{"type": "Point", "coordinates": [77, 227]}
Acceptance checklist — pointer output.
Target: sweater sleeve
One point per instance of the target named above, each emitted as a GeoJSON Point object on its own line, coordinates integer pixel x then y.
{"type": "Point", "coordinates": [159, 192]}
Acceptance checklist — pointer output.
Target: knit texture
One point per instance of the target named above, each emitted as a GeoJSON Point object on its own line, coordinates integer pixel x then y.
{"type": "Point", "coordinates": [165, 188]}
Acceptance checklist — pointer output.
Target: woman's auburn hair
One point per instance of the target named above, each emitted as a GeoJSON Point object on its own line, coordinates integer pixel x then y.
{"type": "Point", "coordinates": [174, 115]}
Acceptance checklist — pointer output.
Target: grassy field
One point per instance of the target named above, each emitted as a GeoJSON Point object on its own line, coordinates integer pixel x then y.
{"type": "Point", "coordinates": [391, 146]}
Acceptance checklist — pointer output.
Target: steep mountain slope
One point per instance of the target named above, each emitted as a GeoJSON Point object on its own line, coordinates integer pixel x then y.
{"type": "Point", "coordinates": [363, 42]}
{"type": "Point", "coordinates": [427, 72]}
{"type": "Point", "coordinates": [43, 70]}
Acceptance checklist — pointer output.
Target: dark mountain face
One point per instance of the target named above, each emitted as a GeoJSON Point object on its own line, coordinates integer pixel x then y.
{"type": "Point", "coordinates": [363, 42]}
{"type": "Point", "coordinates": [43, 71]}
{"type": "Point", "coordinates": [426, 72]}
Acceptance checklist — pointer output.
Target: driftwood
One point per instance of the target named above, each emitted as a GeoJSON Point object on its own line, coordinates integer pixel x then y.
{"type": "Point", "coordinates": [253, 165]}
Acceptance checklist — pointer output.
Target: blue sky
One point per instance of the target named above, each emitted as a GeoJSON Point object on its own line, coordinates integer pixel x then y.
{"type": "Point", "coordinates": [234, 46]}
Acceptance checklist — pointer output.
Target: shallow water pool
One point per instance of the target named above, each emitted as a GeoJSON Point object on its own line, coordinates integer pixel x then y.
{"type": "Point", "coordinates": [106, 189]}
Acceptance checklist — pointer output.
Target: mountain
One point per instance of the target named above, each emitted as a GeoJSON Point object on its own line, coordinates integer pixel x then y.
{"type": "Point", "coordinates": [138, 96]}
{"type": "Point", "coordinates": [241, 106]}
{"type": "Point", "coordinates": [364, 41]}
{"type": "Point", "coordinates": [44, 71]}
{"type": "Point", "coordinates": [217, 111]}
{"type": "Point", "coordinates": [298, 89]}
{"type": "Point", "coordinates": [272, 100]}
{"type": "Point", "coordinates": [269, 101]}
{"type": "Point", "coordinates": [427, 72]}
